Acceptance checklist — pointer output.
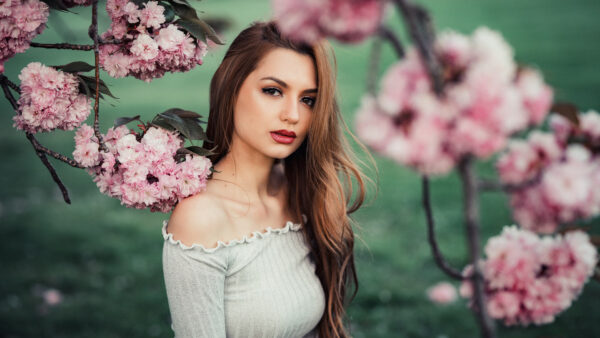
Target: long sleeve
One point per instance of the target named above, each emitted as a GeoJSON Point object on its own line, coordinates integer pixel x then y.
{"type": "Point", "coordinates": [195, 282]}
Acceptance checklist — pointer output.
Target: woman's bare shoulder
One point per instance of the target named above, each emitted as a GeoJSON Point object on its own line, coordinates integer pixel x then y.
{"type": "Point", "coordinates": [198, 219]}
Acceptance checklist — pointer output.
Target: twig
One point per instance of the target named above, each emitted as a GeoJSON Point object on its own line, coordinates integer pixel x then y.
{"type": "Point", "coordinates": [471, 211]}
{"type": "Point", "coordinates": [419, 27]}
{"type": "Point", "coordinates": [11, 84]}
{"type": "Point", "coordinates": [493, 185]}
{"type": "Point", "coordinates": [93, 32]}
{"type": "Point", "coordinates": [62, 46]}
{"type": "Point", "coordinates": [437, 255]}
{"type": "Point", "coordinates": [373, 67]}
{"type": "Point", "coordinates": [389, 35]}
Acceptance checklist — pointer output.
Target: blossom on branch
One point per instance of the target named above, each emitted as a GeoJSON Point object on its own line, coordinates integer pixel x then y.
{"type": "Point", "coordinates": [346, 20]}
{"type": "Point", "coordinates": [149, 45]}
{"type": "Point", "coordinates": [531, 279]}
{"type": "Point", "coordinates": [50, 99]}
{"type": "Point", "coordinates": [20, 22]}
{"type": "Point", "coordinates": [557, 172]}
{"type": "Point", "coordinates": [141, 170]}
{"type": "Point", "coordinates": [485, 100]}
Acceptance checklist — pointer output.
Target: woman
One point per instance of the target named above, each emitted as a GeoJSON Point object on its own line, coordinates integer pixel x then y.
{"type": "Point", "coordinates": [267, 249]}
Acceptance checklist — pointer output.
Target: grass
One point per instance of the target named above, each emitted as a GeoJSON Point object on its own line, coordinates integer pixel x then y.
{"type": "Point", "coordinates": [106, 259]}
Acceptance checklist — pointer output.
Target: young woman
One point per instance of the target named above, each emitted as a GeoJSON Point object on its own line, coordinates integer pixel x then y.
{"type": "Point", "coordinates": [267, 249]}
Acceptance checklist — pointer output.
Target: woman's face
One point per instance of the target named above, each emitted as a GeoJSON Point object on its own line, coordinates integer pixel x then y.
{"type": "Point", "coordinates": [274, 106]}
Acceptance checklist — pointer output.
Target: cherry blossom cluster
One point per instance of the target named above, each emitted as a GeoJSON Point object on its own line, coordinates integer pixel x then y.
{"type": "Point", "coordinates": [149, 46]}
{"type": "Point", "coordinates": [20, 22]}
{"type": "Point", "coordinates": [530, 279]}
{"type": "Point", "coordinates": [556, 177]}
{"type": "Point", "coordinates": [49, 100]}
{"type": "Point", "coordinates": [140, 170]}
{"type": "Point", "coordinates": [485, 100]}
{"type": "Point", "coordinates": [347, 21]}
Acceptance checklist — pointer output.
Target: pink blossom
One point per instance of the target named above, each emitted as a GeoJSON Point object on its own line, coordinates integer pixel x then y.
{"type": "Point", "coordinates": [442, 293]}
{"type": "Point", "coordinates": [20, 22]}
{"type": "Point", "coordinates": [52, 297]}
{"type": "Point", "coordinates": [537, 96]}
{"type": "Point", "coordinates": [531, 279]}
{"type": "Point", "coordinates": [50, 99]}
{"type": "Point", "coordinates": [144, 47]}
{"type": "Point", "coordinates": [150, 46]}
{"type": "Point", "coordinates": [143, 174]}
{"type": "Point", "coordinates": [481, 106]}
{"type": "Point", "coordinates": [152, 15]}
{"type": "Point", "coordinates": [347, 21]}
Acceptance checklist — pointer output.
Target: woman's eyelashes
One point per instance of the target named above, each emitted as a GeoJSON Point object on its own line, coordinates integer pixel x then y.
{"type": "Point", "coordinates": [273, 91]}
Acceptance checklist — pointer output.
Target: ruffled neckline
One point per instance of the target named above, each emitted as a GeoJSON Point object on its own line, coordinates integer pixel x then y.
{"type": "Point", "coordinates": [255, 235]}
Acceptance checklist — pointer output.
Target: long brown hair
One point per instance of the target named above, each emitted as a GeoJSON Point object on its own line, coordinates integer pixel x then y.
{"type": "Point", "coordinates": [315, 188]}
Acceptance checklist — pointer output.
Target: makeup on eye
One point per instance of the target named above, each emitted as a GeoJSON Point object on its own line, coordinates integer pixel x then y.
{"type": "Point", "coordinates": [274, 91]}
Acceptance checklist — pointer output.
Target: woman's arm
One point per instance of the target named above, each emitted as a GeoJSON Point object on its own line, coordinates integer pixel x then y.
{"type": "Point", "coordinates": [194, 280]}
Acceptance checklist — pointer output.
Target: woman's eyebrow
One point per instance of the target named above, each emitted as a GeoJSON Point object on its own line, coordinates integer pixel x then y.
{"type": "Point", "coordinates": [285, 85]}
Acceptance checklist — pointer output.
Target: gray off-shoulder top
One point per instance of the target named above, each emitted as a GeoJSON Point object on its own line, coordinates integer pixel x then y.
{"type": "Point", "coordinates": [263, 285]}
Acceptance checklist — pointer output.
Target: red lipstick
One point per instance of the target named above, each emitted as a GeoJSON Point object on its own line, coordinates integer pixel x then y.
{"type": "Point", "coordinates": [283, 136]}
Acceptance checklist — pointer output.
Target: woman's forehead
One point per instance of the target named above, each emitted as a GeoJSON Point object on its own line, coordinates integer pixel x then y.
{"type": "Point", "coordinates": [293, 68]}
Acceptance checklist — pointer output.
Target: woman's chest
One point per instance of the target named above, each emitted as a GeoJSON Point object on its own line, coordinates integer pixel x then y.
{"type": "Point", "coordinates": [276, 292]}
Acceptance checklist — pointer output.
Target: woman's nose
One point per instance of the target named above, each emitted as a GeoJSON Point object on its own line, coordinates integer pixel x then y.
{"type": "Point", "coordinates": [291, 111]}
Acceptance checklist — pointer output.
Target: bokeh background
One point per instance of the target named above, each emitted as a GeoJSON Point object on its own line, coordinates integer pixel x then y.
{"type": "Point", "coordinates": [106, 259]}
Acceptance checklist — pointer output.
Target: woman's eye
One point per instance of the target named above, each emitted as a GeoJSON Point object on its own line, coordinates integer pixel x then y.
{"type": "Point", "coordinates": [272, 91]}
{"type": "Point", "coordinates": [310, 101]}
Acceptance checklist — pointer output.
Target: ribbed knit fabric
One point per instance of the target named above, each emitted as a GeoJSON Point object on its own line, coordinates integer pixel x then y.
{"type": "Point", "coordinates": [260, 286]}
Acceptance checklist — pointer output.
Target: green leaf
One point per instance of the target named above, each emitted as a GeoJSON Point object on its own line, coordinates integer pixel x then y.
{"type": "Point", "coordinates": [183, 9]}
{"type": "Point", "coordinates": [194, 150]}
{"type": "Point", "coordinates": [102, 88]}
{"type": "Point", "coordinates": [178, 123]}
{"type": "Point", "coordinates": [57, 4]}
{"type": "Point", "coordinates": [182, 113]}
{"type": "Point", "coordinates": [199, 29]}
{"type": "Point", "coordinates": [169, 12]}
{"type": "Point", "coordinates": [124, 120]}
{"type": "Point", "coordinates": [75, 67]}
{"type": "Point", "coordinates": [567, 110]}
{"type": "Point", "coordinates": [210, 33]}
{"type": "Point", "coordinates": [162, 123]}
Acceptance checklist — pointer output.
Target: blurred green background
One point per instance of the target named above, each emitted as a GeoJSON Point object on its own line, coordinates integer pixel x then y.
{"type": "Point", "coordinates": [106, 259]}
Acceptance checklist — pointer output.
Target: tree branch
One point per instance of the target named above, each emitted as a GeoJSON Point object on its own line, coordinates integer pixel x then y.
{"type": "Point", "coordinates": [373, 67]}
{"type": "Point", "coordinates": [93, 32]}
{"type": "Point", "coordinates": [471, 211]}
{"type": "Point", "coordinates": [421, 32]}
{"type": "Point", "coordinates": [493, 185]}
{"type": "Point", "coordinates": [61, 46]}
{"type": "Point", "coordinates": [389, 35]}
{"type": "Point", "coordinates": [437, 255]}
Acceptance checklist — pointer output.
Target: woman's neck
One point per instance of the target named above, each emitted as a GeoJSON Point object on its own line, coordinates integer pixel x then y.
{"type": "Point", "coordinates": [260, 177]}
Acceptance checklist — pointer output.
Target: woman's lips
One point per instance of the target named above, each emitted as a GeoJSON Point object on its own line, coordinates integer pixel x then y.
{"type": "Point", "coordinates": [282, 138]}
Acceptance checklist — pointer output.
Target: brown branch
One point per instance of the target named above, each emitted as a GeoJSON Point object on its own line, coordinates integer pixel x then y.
{"type": "Point", "coordinates": [493, 185]}
{"type": "Point", "coordinates": [471, 211]}
{"type": "Point", "coordinates": [11, 84]}
{"type": "Point", "coordinates": [93, 32]}
{"type": "Point", "coordinates": [437, 255]}
{"type": "Point", "coordinates": [373, 68]}
{"type": "Point", "coordinates": [421, 32]}
{"type": "Point", "coordinates": [389, 35]}
{"type": "Point", "coordinates": [62, 46]}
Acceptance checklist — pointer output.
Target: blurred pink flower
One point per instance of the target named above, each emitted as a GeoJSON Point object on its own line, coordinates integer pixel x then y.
{"type": "Point", "coordinates": [52, 297]}
{"type": "Point", "coordinates": [346, 20]}
{"type": "Point", "coordinates": [531, 279]}
{"type": "Point", "coordinates": [442, 293]}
